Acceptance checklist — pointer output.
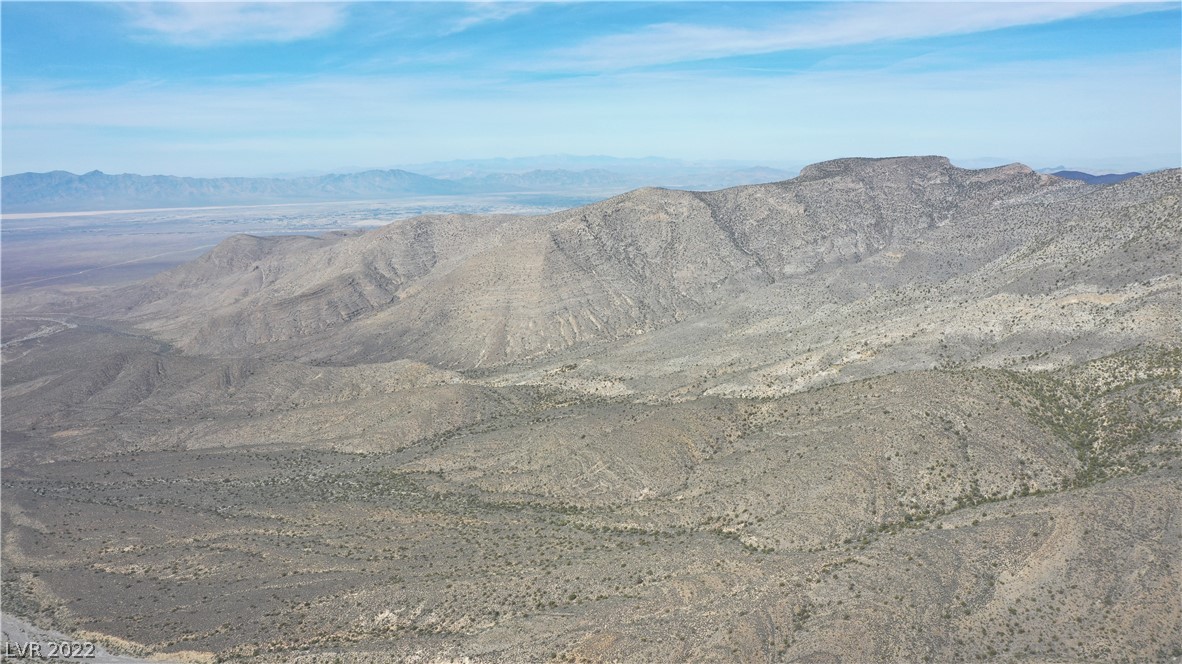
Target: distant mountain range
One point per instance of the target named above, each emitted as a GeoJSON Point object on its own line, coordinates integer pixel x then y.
{"type": "Point", "coordinates": [1107, 178]}
{"type": "Point", "coordinates": [61, 191]}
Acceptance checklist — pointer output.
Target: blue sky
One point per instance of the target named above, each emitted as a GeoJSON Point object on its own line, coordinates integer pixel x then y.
{"type": "Point", "coordinates": [247, 89]}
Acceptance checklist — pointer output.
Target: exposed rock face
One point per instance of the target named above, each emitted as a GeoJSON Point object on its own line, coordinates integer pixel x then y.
{"type": "Point", "coordinates": [469, 292]}
{"type": "Point", "coordinates": [888, 410]}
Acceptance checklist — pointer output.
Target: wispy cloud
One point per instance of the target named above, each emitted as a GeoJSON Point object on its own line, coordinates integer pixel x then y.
{"type": "Point", "coordinates": [489, 11]}
{"type": "Point", "coordinates": [212, 23]}
{"type": "Point", "coordinates": [838, 24]}
{"type": "Point", "coordinates": [388, 88]}
{"type": "Point", "coordinates": [1011, 109]}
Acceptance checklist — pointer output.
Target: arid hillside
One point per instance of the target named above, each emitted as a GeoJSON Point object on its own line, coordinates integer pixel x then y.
{"type": "Point", "coordinates": [889, 410]}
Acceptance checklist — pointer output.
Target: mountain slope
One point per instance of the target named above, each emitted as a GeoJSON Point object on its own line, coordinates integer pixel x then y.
{"type": "Point", "coordinates": [850, 238]}
{"type": "Point", "coordinates": [890, 410]}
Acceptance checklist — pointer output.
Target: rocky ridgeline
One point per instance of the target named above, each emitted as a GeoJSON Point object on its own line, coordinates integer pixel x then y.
{"type": "Point", "coordinates": [469, 292]}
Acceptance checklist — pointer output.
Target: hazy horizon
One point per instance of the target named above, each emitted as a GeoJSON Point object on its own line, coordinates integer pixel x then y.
{"type": "Point", "coordinates": [211, 90]}
{"type": "Point", "coordinates": [526, 163]}
{"type": "Point", "coordinates": [649, 405]}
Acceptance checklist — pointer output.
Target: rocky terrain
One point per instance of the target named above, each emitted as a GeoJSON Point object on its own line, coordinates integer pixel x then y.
{"type": "Point", "coordinates": [889, 410]}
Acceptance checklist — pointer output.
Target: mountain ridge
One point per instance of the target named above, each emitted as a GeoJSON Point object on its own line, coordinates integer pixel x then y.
{"type": "Point", "coordinates": [61, 191]}
{"type": "Point", "coordinates": [1106, 178]}
{"type": "Point", "coordinates": [889, 410]}
{"type": "Point", "coordinates": [626, 266]}
{"type": "Point", "coordinates": [64, 191]}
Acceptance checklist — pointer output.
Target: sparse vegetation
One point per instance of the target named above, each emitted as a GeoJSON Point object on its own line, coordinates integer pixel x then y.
{"type": "Point", "coordinates": [867, 418]}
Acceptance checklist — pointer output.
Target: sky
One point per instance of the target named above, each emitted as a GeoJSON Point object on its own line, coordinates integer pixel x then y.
{"type": "Point", "coordinates": [220, 89]}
